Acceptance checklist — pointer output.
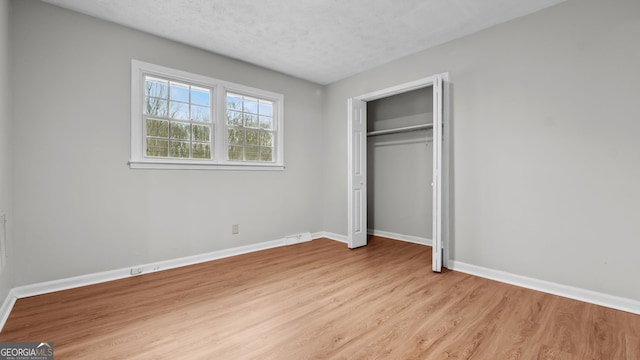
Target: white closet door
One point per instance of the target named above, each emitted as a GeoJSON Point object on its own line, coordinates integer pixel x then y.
{"type": "Point", "coordinates": [437, 172]}
{"type": "Point", "coordinates": [357, 158]}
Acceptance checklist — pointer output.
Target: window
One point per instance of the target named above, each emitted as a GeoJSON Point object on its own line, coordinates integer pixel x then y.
{"type": "Point", "coordinates": [250, 128]}
{"type": "Point", "coordinates": [186, 121]}
{"type": "Point", "coordinates": [177, 119]}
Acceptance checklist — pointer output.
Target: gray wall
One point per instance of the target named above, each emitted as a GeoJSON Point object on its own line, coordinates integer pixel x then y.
{"type": "Point", "coordinates": [80, 209]}
{"type": "Point", "coordinates": [399, 166]}
{"type": "Point", "coordinates": [6, 156]}
{"type": "Point", "coordinates": [544, 144]}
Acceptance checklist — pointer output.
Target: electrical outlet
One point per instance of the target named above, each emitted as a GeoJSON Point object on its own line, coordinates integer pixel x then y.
{"type": "Point", "coordinates": [136, 271]}
{"type": "Point", "coordinates": [235, 229]}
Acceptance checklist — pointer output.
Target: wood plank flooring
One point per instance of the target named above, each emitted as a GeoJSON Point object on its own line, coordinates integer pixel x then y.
{"type": "Point", "coordinates": [320, 300]}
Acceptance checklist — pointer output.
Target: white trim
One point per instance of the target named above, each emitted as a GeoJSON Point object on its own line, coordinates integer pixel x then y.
{"type": "Point", "coordinates": [446, 163]}
{"type": "Point", "coordinates": [7, 306]}
{"type": "Point", "coordinates": [297, 238]}
{"type": "Point", "coordinates": [588, 296]}
{"type": "Point", "coordinates": [401, 237]}
{"type": "Point", "coordinates": [168, 165]}
{"type": "Point", "coordinates": [398, 89]}
{"type": "Point", "coordinates": [436, 236]}
{"type": "Point", "coordinates": [330, 236]}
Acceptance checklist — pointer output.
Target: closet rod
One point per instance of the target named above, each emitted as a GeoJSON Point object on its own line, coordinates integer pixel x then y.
{"type": "Point", "coordinates": [400, 130]}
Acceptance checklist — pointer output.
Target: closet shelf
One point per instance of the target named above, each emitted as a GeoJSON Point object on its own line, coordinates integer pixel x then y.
{"type": "Point", "coordinates": [400, 130]}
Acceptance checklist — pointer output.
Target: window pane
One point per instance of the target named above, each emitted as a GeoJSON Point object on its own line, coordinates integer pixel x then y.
{"type": "Point", "coordinates": [179, 149]}
{"type": "Point", "coordinates": [250, 105]}
{"type": "Point", "coordinates": [235, 153]}
{"type": "Point", "coordinates": [200, 113]}
{"type": "Point", "coordinates": [234, 118]}
{"type": "Point", "coordinates": [251, 153]}
{"type": "Point", "coordinates": [159, 148]}
{"type": "Point", "coordinates": [236, 136]}
{"type": "Point", "coordinates": [201, 132]}
{"type": "Point", "coordinates": [179, 111]}
{"type": "Point", "coordinates": [234, 102]}
{"type": "Point", "coordinates": [266, 139]}
{"type": "Point", "coordinates": [200, 96]}
{"type": "Point", "coordinates": [156, 87]}
{"type": "Point", "coordinates": [251, 120]}
{"type": "Point", "coordinates": [155, 106]}
{"type": "Point", "coordinates": [252, 137]}
{"type": "Point", "coordinates": [201, 151]}
{"type": "Point", "coordinates": [180, 131]}
{"type": "Point", "coordinates": [179, 92]}
{"type": "Point", "coordinates": [157, 128]}
{"type": "Point", "coordinates": [266, 154]}
{"type": "Point", "coordinates": [266, 108]}
{"type": "Point", "coordinates": [266, 123]}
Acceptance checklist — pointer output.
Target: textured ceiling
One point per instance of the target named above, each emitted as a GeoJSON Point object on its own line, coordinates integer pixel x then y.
{"type": "Point", "coordinates": [318, 40]}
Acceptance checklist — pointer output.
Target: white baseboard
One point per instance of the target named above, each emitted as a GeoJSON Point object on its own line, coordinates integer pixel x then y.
{"type": "Point", "coordinates": [390, 235]}
{"type": "Point", "coordinates": [330, 236]}
{"type": "Point", "coordinates": [297, 238]}
{"type": "Point", "coordinates": [589, 296]}
{"type": "Point", "coordinates": [7, 305]}
{"type": "Point", "coordinates": [401, 237]}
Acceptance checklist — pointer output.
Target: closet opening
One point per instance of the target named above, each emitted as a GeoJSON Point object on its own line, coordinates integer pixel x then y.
{"type": "Point", "coordinates": [400, 166]}
{"type": "Point", "coordinates": [395, 165]}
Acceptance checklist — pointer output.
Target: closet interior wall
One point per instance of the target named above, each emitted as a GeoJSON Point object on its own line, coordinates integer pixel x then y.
{"type": "Point", "coordinates": [399, 167]}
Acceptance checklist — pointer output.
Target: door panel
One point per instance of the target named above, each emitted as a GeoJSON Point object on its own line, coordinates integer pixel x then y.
{"type": "Point", "coordinates": [357, 227]}
{"type": "Point", "coordinates": [437, 173]}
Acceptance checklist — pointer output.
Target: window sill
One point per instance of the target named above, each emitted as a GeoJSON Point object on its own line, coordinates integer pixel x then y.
{"type": "Point", "coordinates": [195, 165]}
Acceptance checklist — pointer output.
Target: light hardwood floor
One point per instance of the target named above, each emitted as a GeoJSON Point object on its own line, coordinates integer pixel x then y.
{"type": "Point", "coordinates": [320, 300]}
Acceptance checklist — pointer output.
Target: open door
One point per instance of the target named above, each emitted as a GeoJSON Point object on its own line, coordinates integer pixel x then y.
{"type": "Point", "coordinates": [438, 133]}
{"type": "Point", "coordinates": [357, 203]}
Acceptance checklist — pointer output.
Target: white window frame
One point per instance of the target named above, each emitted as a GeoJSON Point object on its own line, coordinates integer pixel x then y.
{"type": "Point", "coordinates": [219, 88]}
